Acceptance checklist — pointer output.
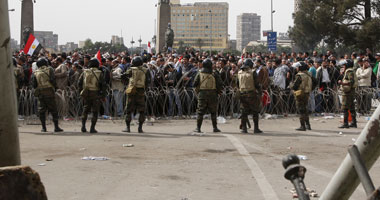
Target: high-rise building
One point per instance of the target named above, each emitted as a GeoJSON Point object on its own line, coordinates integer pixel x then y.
{"type": "Point", "coordinates": [296, 5]}
{"type": "Point", "coordinates": [175, 1]}
{"type": "Point", "coordinates": [248, 28]}
{"type": "Point", "coordinates": [200, 25]}
{"type": "Point", "coordinates": [117, 40]}
{"type": "Point", "coordinates": [47, 39]}
{"type": "Point", "coordinates": [81, 44]}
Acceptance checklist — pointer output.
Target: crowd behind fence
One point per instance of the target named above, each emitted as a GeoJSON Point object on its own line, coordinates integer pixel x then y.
{"type": "Point", "coordinates": [282, 102]}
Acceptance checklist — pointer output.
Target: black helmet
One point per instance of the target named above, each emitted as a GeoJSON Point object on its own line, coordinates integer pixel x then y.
{"type": "Point", "coordinates": [349, 63]}
{"type": "Point", "coordinates": [248, 63]}
{"type": "Point", "coordinates": [137, 61]}
{"type": "Point", "coordinates": [42, 62]}
{"type": "Point", "coordinates": [94, 62]}
{"type": "Point", "coordinates": [302, 66]}
{"type": "Point", "coordinates": [207, 66]}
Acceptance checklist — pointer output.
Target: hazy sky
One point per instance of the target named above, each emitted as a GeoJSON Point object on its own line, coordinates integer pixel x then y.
{"type": "Point", "coordinates": [75, 20]}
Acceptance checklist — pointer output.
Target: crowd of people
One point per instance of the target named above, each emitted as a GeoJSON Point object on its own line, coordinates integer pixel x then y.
{"type": "Point", "coordinates": [170, 91]}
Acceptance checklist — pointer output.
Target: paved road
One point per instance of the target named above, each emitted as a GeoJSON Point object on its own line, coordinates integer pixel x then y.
{"type": "Point", "coordinates": [167, 162]}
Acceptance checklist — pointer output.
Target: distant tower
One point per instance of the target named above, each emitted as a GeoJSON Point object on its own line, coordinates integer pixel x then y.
{"type": "Point", "coordinates": [296, 5]}
{"type": "Point", "coordinates": [27, 22]}
{"type": "Point", "coordinates": [163, 19]}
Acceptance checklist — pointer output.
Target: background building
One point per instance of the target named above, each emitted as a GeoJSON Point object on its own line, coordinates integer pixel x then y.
{"type": "Point", "coordinates": [14, 44]}
{"type": "Point", "coordinates": [47, 39]}
{"type": "Point", "coordinates": [81, 44]}
{"type": "Point", "coordinates": [70, 46]}
{"type": "Point", "coordinates": [117, 40]}
{"type": "Point", "coordinates": [248, 28]}
{"type": "Point", "coordinates": [200, 25]}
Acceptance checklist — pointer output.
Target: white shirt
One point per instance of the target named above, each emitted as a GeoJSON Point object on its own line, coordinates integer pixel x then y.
{"type": "Point", "coordinates": [325, 76]}
{"type": "Point", "coordinates": [364, 76]}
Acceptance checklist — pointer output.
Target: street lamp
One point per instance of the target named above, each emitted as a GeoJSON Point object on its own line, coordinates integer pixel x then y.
{"type": "Point", "coordinates": [132, 42]}
{"type": "Point", "coordinates": [210, 32]}
{"type": "Point", "coordinates": [271, 14]}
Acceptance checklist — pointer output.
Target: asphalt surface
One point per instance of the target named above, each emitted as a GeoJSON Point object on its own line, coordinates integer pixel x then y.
{"type": "Point", "coordinates": [169, 162]}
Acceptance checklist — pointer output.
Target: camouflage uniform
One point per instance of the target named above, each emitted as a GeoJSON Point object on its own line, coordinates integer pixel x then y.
{"type": "Point", "coordinates": [209, 85]}
{"type": "Point", "coordinates": [250, 98]}
{"type": "Point", "coordinates": [43, 80]}
{"type": "Point", "coordinates": [139, 78]}
{"type": "Point", "coordinates": [93, 89]}
{"type": "Point", "coordinates": [348, 87]}
{"type": "Point", "coordinates": [302, 87]}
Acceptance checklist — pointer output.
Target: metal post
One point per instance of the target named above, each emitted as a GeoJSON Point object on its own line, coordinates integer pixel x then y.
{"type": "Point", "coordinates": [295, 173]}
{"type": "Point", "coordinates": [210, 32]}
{"type": "Point", "coordinates": [345, 180]}
{"type": "Point", "coordinates": [9, 142]}
{"type": "Point", "coordinates": [271, 14]}
{"type": "Point", "coordinates": [361, 170]}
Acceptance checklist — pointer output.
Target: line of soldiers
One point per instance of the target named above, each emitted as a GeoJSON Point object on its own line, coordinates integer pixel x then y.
{"type": "Point", "coordinates": [208, 86]}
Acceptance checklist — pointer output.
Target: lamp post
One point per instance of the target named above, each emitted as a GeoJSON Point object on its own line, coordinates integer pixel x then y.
{"type": "Point", "coordinates": [140, 40]}
{"type": "Point", "coordinates": [210, 32]}
{"type": "Point", "coordinates": [271, 14]}
{"type": "Point", "coordinates": [132, 42]}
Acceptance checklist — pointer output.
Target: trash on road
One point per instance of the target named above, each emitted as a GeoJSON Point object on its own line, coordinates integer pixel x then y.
{"type": "Point", "coordinates": [328, 117]}
{"type": "Point", "coordinates": [82, 149]}
{"type": "Point", "coordinates": [95, 158]}
{"type": "Point", "coordinates": [49, 159]}
{"type": "Point", "coordinates": [221, 120]}
{"type": "Point", "coordinates": [302, 157]}
{"type": "Point", "coordinates": [290, 148]}
{"type": "Point", "coordinates": [312, 193]}
{"type": "Point", "coordinates": [353, 139]}
{"type": "Point", "coordinates": [340, 133]}
{"type": "Point", "coordinates": [367, 118]}
{"type": "Point", "coordinates": [128, 145]}
{"type": "Point", "coordinates": [42, 164]}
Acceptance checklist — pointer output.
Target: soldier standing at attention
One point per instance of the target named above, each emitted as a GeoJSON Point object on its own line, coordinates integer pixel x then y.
{"type": "Point", "coordinates": [250, 95]}
{"type": "Point", "coordinates": [208, 85]}
{"type": "Point", "coordinates": [43, 81]}
{"type": "Point", "coordinates": [302, 87]}
{"type": "Point", "coordinates": [139, 78]}
{"type": "Point", "coordinates": [348, 86]}
{"type": "Point", "coordinates": [93, 89]}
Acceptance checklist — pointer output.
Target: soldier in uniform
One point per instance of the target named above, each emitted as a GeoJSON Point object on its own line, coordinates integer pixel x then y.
{"type": "Point", "coordinates": [208, 85]}
{"type": "Point", "coordinates": [93, 89]}
{"type": "Point", "coordinates": [250, 96]}
{"type": "Point", "coordinates": [139, 78]}
{"type": "Point", "coordinates": [348, 86]}
{"type": "Point", "coordinates": [43, 81]}
{"type": "Point", "coordinates": [302, 87]}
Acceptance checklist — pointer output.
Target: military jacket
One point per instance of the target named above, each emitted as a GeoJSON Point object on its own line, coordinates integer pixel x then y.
{"type": "Point", "coordinates": [246, 81]}
{"type": "Point", "coordinates": [91, 79]}
{"type": "Point", "coordinates": [43, 77]}
{"type": "Point", "coordinates": [207, 82]}
{"type": "Point", "coordinates": [138, 77]}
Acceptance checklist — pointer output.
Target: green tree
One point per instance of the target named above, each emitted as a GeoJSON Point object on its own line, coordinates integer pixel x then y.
{"type": "Point", "coordinates": [347, 23]}
{"type": "Point", "coordinates": [200, 43]}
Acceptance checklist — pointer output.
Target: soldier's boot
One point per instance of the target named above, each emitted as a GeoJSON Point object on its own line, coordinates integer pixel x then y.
{"type": "Point", "coordinates": [302, 127]}
{"type": "Point", "coordinates": [345, 120]}
{"type": "Point", "coordinates": [214, 124]}
{"type": "Point", "coordinates": [199, 124]}
{"type": "Point", "coordinates": [128, 127]}
{"type": "Point", "coordinates": [92, 129]}
{"type": "Point", "coordinates": [256, 125]}
{"type": "Point", "coordinates": [308, 126]}
{"type": "Point", "coordinates": [141, 122]}
{"type": "Point", "coordinates": [56, 127]}
{"type": "Point", "coordinates": [354, 122]}
{"type": "Point", "coordinates": [243, 126]}
{"type": "Point", "coordinates": [83, 129]}
{"type": "Point", "coordinates": [43, 123]}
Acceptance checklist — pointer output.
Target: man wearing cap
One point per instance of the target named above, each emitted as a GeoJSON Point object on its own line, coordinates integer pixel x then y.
{"type": "Point", "coordinates": [208, 85]}
{"type": "Point", "coordinates": [302, 87]}
{"type": "Point", "coordinates": [250, 90]}
{"type": "Point", "coordinates": [348, 86]}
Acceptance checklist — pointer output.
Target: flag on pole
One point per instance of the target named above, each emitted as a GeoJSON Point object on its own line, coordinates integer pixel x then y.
{"type": "Point", "coordinates": [32, 46]}
{"type": "Point", "coordinates": [99, 57]}
{"type": "Point", "coordinates": [149, 48]}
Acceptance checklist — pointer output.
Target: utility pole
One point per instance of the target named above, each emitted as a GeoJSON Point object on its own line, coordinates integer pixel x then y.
{"type": "Point", "coordinates": [9, 142]}
{"type": "Point", "coordinates": [271, 14]}
{"type": "Point", "coordinates": [210, 32]}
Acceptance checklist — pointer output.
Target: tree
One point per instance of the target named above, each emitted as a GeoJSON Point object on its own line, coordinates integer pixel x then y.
{"type": "Point", "coordinates": [200, 43]}
{"type": "Point", "coordinates": [347, 23]}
